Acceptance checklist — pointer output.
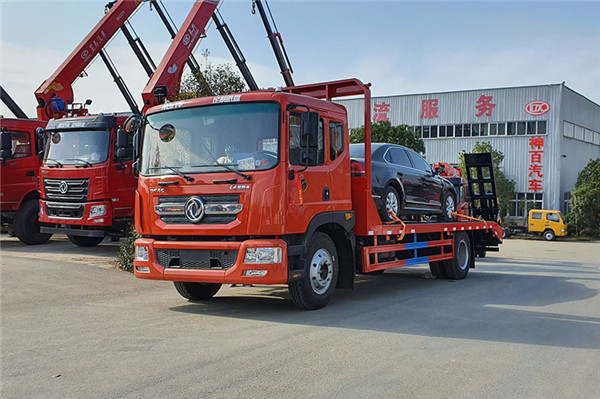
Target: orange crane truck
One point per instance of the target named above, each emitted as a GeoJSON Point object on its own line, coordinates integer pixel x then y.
{"type": "Point", "coordinates": [257, 188]}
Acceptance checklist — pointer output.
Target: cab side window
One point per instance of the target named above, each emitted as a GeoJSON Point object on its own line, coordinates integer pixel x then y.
{"type": "Point", "coordinates": [21, 145]}
{"type": "Point", "coordinates": [336, 139]}
{"type": "Point", "coordinates": [536, 215]}
{"type": "Point", "coordinates": [553, 217]}
{"type": "Point", "coordinates": [295, 148]}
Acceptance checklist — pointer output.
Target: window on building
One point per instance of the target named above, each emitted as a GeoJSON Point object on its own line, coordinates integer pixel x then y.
{"type": "Point", "coordinates": [418, 132]}
{"type": "Point", "coordinates": [433, 132]}
{"type": "Point", "coordinates": [450, 131]}
{"type": "Point", "coordinates": [483, 129]}
{"type": "Point", "coordinates": [425, 132]}
{"type": "Point", "coordinates": [511, 128]}
{"type": "Point", "coordinates": [523, 202]}
{"type": "Point", "coordinates": [501, 129]}
{"type": "Point", "coordinates": [493, 129]}
{"type": "Point", "coordinates": [541, 127]}
{"type": "Point", "coordinates": [566, 204]}
{"type": "Point", "coordinates": [458, 130]}
{"type": "Point", "coordinates": [442, 131]}
{"type": "Point", "coordinates": [475, 129]}
{"type": "Point", "coordinates": [466, 130]}
{"type": "Point", "coordinates": [531, 127]}
{"type": "Point", "coordinates": [521, 128]}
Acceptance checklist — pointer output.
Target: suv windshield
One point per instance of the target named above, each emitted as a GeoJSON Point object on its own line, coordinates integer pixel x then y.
{"type": "Point", "coordinates": [244, 136]}
{"type": "Point", "coordinates": [78, 146]}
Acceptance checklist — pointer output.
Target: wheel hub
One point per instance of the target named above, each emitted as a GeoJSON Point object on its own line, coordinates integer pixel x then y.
{"type": "Point", "coordinates": [391, 203]}
{"type": "Point", "coordinates": [321, 271]}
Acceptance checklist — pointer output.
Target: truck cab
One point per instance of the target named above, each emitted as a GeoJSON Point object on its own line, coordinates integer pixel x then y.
{"type": "Point", "coordinates": [86, 180]}
{"type": "Point", "coordinates": [20, 162]}
{"type": "Point", "coordinates": [550, 223]}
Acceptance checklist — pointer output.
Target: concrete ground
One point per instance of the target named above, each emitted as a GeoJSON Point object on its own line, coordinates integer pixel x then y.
{"type": "Point", "coordinates": [524, 324]}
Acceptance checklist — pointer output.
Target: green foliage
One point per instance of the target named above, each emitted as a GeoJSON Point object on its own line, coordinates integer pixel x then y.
{"type": "Point", "coordinates": [505, 188]}
{"type": "Point", "coordinates": [126, 251]}
{"type": "Point", "coordinates": [212, 81]}
{"type": "Point", "coordinates": [384, 132]}
{"type": "Point", "coordinates": [584, 215]}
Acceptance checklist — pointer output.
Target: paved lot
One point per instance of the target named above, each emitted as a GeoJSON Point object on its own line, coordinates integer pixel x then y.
{"type": "Point", "coordinates": [524, 324]}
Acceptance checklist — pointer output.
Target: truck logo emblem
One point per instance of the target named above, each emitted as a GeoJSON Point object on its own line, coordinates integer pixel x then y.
{"type": "Point", "coordinates": [63, 187]}
{"type": "Point", "coordinates": [194, 209]}
{"type": "Point", "coordinates": [537, 107]}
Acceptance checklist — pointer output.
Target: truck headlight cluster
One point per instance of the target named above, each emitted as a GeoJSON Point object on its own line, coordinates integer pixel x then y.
{"type": "Point", "coordinates": [97, 210]}
{"type": "Point", "coordinates": [141, 253]}
{"type": "Point", "coordinates": [263, 255]}
{"type": "Point", "coordinates": [42, 209]}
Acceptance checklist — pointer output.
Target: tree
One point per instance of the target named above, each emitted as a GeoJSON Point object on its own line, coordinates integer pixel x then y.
{"type": "Point", "coordinates": [505, 188]}
{"type": "Point", "coordinates": [384, 132]}
{"type": "Point", "coordinates": [212, 81]}
{"type": "Point", "coordinates": [584, 204]}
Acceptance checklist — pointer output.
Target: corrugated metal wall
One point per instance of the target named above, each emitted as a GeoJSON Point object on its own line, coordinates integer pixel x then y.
{"type": "Point", "coordinates": [460, 107]}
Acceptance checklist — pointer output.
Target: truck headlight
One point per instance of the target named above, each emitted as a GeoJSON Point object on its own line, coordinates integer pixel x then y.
{"type": "Point", "coordinates": [41, 209]}
{"type": "Point", "coordinates": [263, 255]}
{"type": "Point", "coordinates": [97, 210]}
{"type": "Point", "coordinates": [141, 253]}
{"type": "Point", "coordinates": [563, 230]}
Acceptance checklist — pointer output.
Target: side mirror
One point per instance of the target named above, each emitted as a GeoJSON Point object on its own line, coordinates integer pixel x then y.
{"type": "Point", "coordinates": [309, 156]}
{"type": "Point", "coordinates": [309, 129]}
{"type": "Point", "coordinates": [133, 123]}
{"type": "Point", "coordinates": [6, 145]}
{"type": "Point", "coordinates": [123, 153]}
{"type": "Point", "coordinates": [136, 145]}
{"type": "Point", "coordinates": [122, 139]}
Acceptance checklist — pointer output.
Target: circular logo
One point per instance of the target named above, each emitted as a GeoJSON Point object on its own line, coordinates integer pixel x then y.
{"type": "Point", "coordinates": [194, 209]}
{"type": "Point", "coordinates": [537, 107]}
{"type": "Point", "coordinates": [63, 187]}
{"type": "Point", "coordinates": [85, 54]}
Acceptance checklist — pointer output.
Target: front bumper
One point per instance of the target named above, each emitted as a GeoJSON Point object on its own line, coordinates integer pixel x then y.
{"type": "Point", "coordinates": [209, 262]}
{"type": "Point", "coordinates": [73, 218]}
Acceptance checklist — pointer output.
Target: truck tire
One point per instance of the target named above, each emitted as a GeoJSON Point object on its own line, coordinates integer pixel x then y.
{"type": "Point", "coordinates": [82, 241]}
{"type": "Point", "coordinates": [196, 291]}
{"type": "Point", "coordinates": [438, 270]}
{"type": "Point", "coordinates": [27, 226]}
{"type": "Point", "coordinates": [457, 268]}
{"type": "Point", "coordinates": [320, 271]}
{"type": "Point", "coordinates": [549, 235]}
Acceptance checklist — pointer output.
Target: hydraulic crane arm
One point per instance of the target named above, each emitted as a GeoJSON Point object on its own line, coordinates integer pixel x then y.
{"type": "Point", "coordinates": [11, 104]}
{"type": "Point", "coordinates": [58, 88]}
{"type": "Point", "coordinates": [164, 82]}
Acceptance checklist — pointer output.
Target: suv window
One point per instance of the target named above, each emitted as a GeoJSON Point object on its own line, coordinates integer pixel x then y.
{"type": "Point", "coordinates": [536, 215]}
{"type": "Point", "coordinates": [21, 144]}
{"type": "Point", "coordinates": [419, 162]}
{"type": "Point", "coordinates": [398, 156]}
{"type": "Point", "coordinates": [553, 217]}
{"type": "Point", "coordinates": [336, 139]}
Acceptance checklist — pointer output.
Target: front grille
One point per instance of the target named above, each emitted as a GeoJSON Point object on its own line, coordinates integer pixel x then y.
{"type": "Point", "coordinates": [64, 210]}
{"type": "Point", "coordinates": [77, 189]}
{"type": "Point", "coordinates": [201, 259]}
{"type": "Point", "coordinates": [207, 199]}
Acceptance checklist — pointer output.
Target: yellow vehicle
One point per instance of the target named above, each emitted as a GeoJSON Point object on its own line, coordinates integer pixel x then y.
{"type": "Point", "coordinates": [550, 223]}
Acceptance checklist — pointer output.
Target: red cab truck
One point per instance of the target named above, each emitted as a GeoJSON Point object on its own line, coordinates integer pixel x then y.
{"type": "Point", "coordinates": [19, 170]}
{"type": "Point", "coordinates": [86, 181]}
{"type": "Point", "coordinates": [256, 188]}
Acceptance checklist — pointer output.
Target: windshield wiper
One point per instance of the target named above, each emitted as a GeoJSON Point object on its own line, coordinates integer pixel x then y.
{"type": "Point", "coordinates": [56, 163]}
{"type": "Point", "coordinates": [228, 166]}
{"type": "Point", "coordinates": [174, 170]}
{"type": "Point", "coordinates": [86, 163]}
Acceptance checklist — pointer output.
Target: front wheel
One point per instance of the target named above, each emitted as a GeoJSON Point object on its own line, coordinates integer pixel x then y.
{"type": "Point", "coordinates": [320, 270]}
{"type": "Point", "coordinates": [82, 241]}
{"type": "Point", "coordinates": [27, 226]}
{"type": "Point", "coordinates": [196, 291]}
{"type": "Point", "coordinates": [549, 235]}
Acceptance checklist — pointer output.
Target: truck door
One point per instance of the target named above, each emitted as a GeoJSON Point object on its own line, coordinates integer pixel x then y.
{"type": "Point", "coordinates": [19, 173]}
{"type": "Point", "coordinates": [536, 223]}
{"type": "Point", "coordinates": [307, 190]}
{"type": "Point", "coordinates": [122, 182]}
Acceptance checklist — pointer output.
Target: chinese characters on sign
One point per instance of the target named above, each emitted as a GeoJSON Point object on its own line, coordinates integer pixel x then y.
{"type": "Point", "coordinates": [536, 149]}
{"type": "Point", "coordinates": [380, 112]}
{"type": "Point", "coordinates": [429, 109]}
{"type": "Point", "coordinates": [485, 106]}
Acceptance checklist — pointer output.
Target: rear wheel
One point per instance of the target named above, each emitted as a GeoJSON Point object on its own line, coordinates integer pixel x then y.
{"type": "Point", "coordinates": [82, 241]}
{"type": "Point", "coordinates": [438, 270]}
{"type": "Point", "coordinates": [549, 235]}
{"type": "Point", "coordinates": [448, 207]}
{"type": "Point", "coordinates": [390, 203]}
{"type": "Point", "coordinates": [456, 268]}
{"type": "Point", "coordinates": [196, 291]}
{"type": "Point", "coordinates": [27, 226]}
{"type": "Point", "coordinates": [320, 271]}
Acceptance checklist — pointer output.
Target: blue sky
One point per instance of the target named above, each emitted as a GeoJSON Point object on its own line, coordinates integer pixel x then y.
{"type": "Point", "coordinates": [400, 47]}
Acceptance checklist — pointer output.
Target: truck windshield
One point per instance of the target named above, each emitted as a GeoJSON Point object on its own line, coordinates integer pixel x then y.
{"type": "Point", "coordinates": [243, 136]}
{"type": "Point", "coordinates": [78, 147]}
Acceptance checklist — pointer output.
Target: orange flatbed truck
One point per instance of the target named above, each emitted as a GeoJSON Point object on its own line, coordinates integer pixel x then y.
{"type": "Point", "coordinates": [281, 205]}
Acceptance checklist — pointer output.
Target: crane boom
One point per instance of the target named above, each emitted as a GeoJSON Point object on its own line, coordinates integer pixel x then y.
{"type": "Point", "coordinates": [58, 86]}
{"type": "Point", "coordinates": [164, 82]}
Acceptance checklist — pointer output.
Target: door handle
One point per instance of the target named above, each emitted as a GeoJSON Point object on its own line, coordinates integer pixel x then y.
{"type": "Point", "coordinates": [30, 173]}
